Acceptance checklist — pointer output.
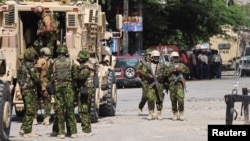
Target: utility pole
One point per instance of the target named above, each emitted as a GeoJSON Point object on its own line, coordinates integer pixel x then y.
{"type": "Point", "coordinates": [125, 33]}
{"type": "Point", "coordinates": [139, 33]}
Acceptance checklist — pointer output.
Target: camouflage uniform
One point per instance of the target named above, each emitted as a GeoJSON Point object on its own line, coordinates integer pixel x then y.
{"type": "Point", "coordinates": [62, 72]}
{"type": "Point", "coordinates": [46, 35]}
{"type": "Point", "coordinates": [143, 81]}
{"type": "Point", "coordinates": [28, 81]}
{"type": "Point", "coordinates": [160, 70]}
{"type": "Point", "coordinates": [42, 66]}
{"type": "Point", "coordinates": [85, 85]}
{"type": "Point", "coordinates": [176, 87]}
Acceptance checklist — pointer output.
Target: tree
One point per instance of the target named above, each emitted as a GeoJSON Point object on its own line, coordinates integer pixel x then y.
{"type": "Point", "coordinates": [182, 22]}
{"type": "Point", "coordinates": [187, 22]}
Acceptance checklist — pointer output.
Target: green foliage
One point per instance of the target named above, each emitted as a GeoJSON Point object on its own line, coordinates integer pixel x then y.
{"type": "Point", "coordinates": [182, 22]}
{"type": "Point", "coordinates": [187, 22]}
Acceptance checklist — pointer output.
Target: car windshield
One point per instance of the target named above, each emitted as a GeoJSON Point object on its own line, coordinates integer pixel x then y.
{"type": "Point", "coordinates": [126, 62]}
{"type": "Point", "coordinates": [247, 51]}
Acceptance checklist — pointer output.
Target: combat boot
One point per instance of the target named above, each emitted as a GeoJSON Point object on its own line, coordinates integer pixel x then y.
{"type": "Point", "coordinates": [35, 121]}
{"type": "Point", "coordinates": [151, 115]}
{"type": "Point", "coordinates": [85, 134]}
{"type": "Point", "coordinates": [46, 120]}
{"type": "Point", "coordinates": [21, 132]}
{"type": "Point", "coordinates": [175, 116]}
{"type": "Point", "coordinates": [74, 136]}
{"type": "Point", "coordinates": [30, 135]}
{"type": "Point", "coordinates": [62, 136]}
{"type": "Point", "coordinates": [159, 116]}
{"type": "Point", "coordinates": [140, 111]}
{"type": "Point", "coordinates": [181, 115]}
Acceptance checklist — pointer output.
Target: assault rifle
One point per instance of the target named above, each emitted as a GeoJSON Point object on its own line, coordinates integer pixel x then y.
{"type": "Point", "coordinates": [155, 84]}
{"type": "Point", "coordinates": [180, 78]}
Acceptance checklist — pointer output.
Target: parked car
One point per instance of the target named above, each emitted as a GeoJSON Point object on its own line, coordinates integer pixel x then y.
{"type": "Point", "coordinates": [125, 71]}
{"type": "Point", "coordinates": [243, 63]}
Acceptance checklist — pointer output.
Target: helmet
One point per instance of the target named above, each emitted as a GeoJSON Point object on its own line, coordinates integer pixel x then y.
{"type": "Point", "coordinates": [30, 54]}
{"type": "Point", "coordinates": [148, 52]}
{"type": "Point", "coordinates": [38, 9]}
{"type": "Point", "coordinates": [83, 54]}
{"type": "Point", "coordinates": [36, 43]}
{"type": "Point", "coordinates": [45, 51]}
{"type": "Point", "coordinates": [155, 53]}
{"type": "Point", "coordinates": [106, 58]}
{"type": "Point", "coordinates": [62, 49]}
{"type": "Point", "coordinates": [174, 54]}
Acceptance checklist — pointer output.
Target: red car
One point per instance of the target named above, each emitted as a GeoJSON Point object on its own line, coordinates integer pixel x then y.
{"type": "Point", "coordinates": [125, 71]}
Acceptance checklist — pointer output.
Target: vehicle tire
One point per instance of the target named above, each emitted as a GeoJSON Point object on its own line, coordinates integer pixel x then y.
{"type": "Point", "coordinates": [94, 105]}
{"type": "Point", "coordinates": [109, 108]}
{"type": "Point", "coordinates": [5, 111]}
{"type": "Point", "coordinates": [130, 72]}
{"type": "Point", "coordinates": [114, 77]}
{"type": "Point", "coordinates": [94, 110]}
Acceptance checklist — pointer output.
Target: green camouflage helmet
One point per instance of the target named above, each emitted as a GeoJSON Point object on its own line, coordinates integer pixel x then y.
{"type": "Point", "coordinates": [83, 54]}
{"type": "Point", "coordinates": [148, 51]}
{"type": "Point", "coordinates": [36, 43]}
{"type": "Point", "coordinates": [62, 49]}
{"type": "Point", "coordinates": [30, 54]}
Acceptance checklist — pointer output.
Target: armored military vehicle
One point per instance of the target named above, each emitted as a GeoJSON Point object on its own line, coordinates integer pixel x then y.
{"type": "Point", "coordinates": [82, 25]}
{"type": "Point", "coordinates": [234, 50]}
{"type": "Point", "coordinates": [230, 49]}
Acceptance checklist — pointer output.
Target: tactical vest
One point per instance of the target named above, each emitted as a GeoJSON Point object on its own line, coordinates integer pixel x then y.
{"type": "Point", "coordinates": [159, 71]}
{"type": "Point", "coordinates": [90, 78]}
{"type": "Point", "coordinates": [62, 69]}
{"type": "Point", "coordinates": [174, 76]}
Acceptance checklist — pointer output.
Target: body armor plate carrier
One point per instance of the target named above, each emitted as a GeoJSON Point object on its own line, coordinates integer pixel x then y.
{"type": "Point", "coordinates": [62, 69]}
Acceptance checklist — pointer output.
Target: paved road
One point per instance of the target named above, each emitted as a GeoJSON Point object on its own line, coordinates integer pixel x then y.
{"type": "Point", "coordinates": [204, 105]}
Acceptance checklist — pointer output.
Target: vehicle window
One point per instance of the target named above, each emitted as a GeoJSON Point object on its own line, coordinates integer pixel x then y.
{"type": "Point", "coordinates": [247, 51]}
{"type": "Point", "coordinates": [125, 62]}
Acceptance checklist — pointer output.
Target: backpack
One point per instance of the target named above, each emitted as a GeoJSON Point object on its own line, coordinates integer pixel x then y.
{"type": "Point", "coordinates": [54, 23]}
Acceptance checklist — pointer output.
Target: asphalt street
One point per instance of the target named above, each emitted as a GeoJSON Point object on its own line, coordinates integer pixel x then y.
{"type": "Point", "coordinates": [204, 105]}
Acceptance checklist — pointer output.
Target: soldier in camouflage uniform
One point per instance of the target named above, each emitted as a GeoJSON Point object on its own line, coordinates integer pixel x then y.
{"type": "Point", "coordinates": [62, 72]}
{"type": "Point", "coordinates": [47, 30]}
{"type": "Point", "coordinates": [28, 81]}
{"type": "Point", "coordinates": [177, 85]}
{"type": "Point", "coordinates": [160, 71]}
{"type": "Point", "coordinates": [85, 85]}
{"type": "Point", "coordinates": [143, 80]}
{"type": "Point", "coordinates": [42, 66]}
